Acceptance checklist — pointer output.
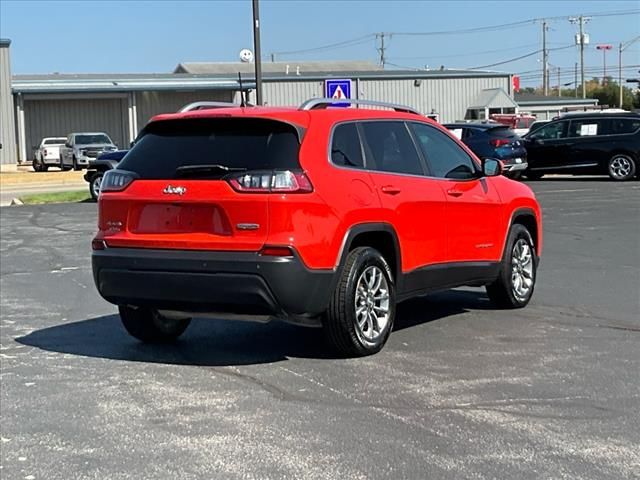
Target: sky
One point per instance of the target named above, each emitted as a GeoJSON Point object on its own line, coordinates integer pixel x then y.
{"type": "Point", "coordinates": [154, 36]}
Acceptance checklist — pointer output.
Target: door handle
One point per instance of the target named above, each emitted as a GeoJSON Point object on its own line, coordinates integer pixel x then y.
{"type": "Point", "coordinates": [454, 193]}
{"type": "Point", "coordinates": [390, 190]}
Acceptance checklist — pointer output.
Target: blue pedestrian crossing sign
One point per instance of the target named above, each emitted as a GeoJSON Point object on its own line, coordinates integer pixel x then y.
{"type": "Point", "coordinates": [338, 89]}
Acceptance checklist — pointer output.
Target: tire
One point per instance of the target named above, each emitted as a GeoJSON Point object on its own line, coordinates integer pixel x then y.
{"type": "Point", "coordinates": [62, 166]}
{"type": "Point", "coordinates": [515, 175]}
{"type": "Point", "coordinates": [44, 167]}
{"type": "Point", "coordinates": [365, 288]}
{"type": "Point", "coordinates": [75, 164]}
{"type": "Point", "coordinates": [149, 326]}
{"type": "Point", "coordinates": [94, 185]}
{"type": "Point", "coordinates": [533, 175]}
{"type": "Point", "coordinates": [621, 167]}
{"type": "Point", "coordinates": [37, 167]}
{"type": "Point", "coordinates": [511, 289]}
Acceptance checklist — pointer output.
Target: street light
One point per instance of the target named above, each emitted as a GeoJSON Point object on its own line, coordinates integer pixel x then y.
{"type": "Point", "coordinates": [623, 46]}
{"type": "Point", "coordinates": [604, 47]}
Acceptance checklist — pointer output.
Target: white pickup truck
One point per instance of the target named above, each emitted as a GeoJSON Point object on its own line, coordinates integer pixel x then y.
{"type": "Point", "coordinates": [48, 153]}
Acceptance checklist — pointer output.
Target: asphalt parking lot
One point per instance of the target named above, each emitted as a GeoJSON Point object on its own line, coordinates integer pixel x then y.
{"type": "Point", "coordinates": [460, 391]}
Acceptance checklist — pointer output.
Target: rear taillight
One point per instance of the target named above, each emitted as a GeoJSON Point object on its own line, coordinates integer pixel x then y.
{"type": "Point", "coordinates": [271, 181]}
{"type": "Point", "coordinates": [97, 244]}
{"type": "Point", "coordinates": [116, 180]}
{"type": "Point", "coordinates": [45, 151]}
{"type": "Point", "coordinates": [499, 142]}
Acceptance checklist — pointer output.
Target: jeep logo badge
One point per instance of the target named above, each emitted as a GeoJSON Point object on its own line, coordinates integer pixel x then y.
{"type": "Point", "coordinates": [171, 190]}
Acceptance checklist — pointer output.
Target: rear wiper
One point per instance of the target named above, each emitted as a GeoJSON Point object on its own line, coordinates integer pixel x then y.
{"type": "Point", "coordinates": [221, 170]}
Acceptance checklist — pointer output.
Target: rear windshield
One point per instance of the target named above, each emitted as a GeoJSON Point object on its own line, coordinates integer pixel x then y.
{"type": "Point", "coordinates": [55, 141]}
{"type": "Point", "coordinates": [502, 132]}
{"type": "Point", "coordinates": [89, 139]}
{"type": "Point", "coordinates": [168, 149]}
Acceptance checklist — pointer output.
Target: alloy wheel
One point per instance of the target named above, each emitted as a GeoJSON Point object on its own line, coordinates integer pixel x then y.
{"type": "Point", "coordinates": [372, 306]}
{"type": "Point", "coordinates": [95, 185]}
{"type": "Point", "coordinates": [522, 269]}
{"type": "Point", "coordinates": [620, 167]}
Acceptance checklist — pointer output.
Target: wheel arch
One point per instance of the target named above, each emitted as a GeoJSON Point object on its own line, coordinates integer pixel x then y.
{"type": "Point", "coordinates": [382, 237]}
{"type": "Point", "coordinates": [528, 219]}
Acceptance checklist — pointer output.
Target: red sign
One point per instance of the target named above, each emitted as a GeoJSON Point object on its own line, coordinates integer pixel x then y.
{"type": "Point", "coordinates": [516, 83]}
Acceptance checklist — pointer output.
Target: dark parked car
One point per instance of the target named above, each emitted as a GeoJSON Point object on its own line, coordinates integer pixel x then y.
{"type": "Point", "coordinates": [97, 168]}
{"type": "Point", "coordinates": [586, 144]}
{"type": "Point", "coordinates": [536, 125]}
{"type": "Point", "coordinates": [493, 140]}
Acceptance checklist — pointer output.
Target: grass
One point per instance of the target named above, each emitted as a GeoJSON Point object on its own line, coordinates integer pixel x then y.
{"type": "Point", "coordinates": [22, 177]}
{"type": "Point", "coordinates": [56, 197]}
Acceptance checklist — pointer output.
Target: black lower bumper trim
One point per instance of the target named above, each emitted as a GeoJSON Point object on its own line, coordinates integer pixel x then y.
{"type": "Point", "coordinates": [242, 283]}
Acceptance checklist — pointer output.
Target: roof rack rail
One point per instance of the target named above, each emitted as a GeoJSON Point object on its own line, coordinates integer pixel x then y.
{"type": "Point", "coordinates": [320, 103]}
{"type": "Point", "coordinates": [207, 105]}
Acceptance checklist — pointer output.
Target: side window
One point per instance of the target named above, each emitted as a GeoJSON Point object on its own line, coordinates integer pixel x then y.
{"type": "Point", "coordinates": [551, 131]}
{"type": "Point", "coordinates": [588, 127]}
{"type": "Point", "coordinates": [392, 147]}
{"type": "Point", "coordinates": [346, 150]}
{"type": "Point", "coordinates": [624, 125]}
{"type": "Point", "coordinates": [445, 157]}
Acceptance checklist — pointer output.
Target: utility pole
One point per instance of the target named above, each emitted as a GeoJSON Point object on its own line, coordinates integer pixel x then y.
{"type": "Point", "coordinates": [545, 60]}
{"type": "Point", "coordinates": [623, 46]}
{"type": "Point", "coordinates": [256, 51]}
{"type": "Point", "coordinates": [559, 94]}
{"type": "Point", "coordinates": [383, 59]}
{"type": "Point", "coordinates": [620, 73]}
{"type": "Point", "coordinates": [575, 78]}
{"type": "Point", "coordinates": [581, 39]}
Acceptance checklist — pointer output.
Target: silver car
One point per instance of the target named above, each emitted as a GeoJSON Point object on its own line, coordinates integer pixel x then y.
{"type": "Point", "coordinates": [80, 148]}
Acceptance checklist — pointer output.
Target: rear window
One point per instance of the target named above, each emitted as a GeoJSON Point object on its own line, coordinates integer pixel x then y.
{"type": "Point", "coordinates": [167, 149]}
{"type": "Point", "coordinates": [55, 141]}
{"type": "Point", "coordinates": [501, 132]}
{"type": "Point", "coordinates": [624, 125]}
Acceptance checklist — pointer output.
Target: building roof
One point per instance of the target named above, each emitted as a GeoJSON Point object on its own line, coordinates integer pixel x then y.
{"type": "Point", "coordinates": [5, 42]}
{"type": "Point", "coordinates": [283, 68]}
{"type": "Point", "coordinates": [493, 98]}
{"type": "Point", "coordinates": [534, 99]}
{"type": "Point", "coordinates": [126, 82]}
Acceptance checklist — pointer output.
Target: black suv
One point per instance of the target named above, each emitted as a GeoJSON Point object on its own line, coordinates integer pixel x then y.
{"type": "Point", "coordinates": [586, 144]}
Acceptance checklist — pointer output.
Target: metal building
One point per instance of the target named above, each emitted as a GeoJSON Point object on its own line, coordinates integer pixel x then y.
{"type": "Point", "coordinates": [8, 155]}
{"type": "Point", "coordinates": [545, 108]}
{"type": "Point", "coordinates": [121, 104]}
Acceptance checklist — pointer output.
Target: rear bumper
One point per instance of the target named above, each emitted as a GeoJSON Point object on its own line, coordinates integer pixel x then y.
{"type": "Point", "coordinates": [51, 160]}
{"type": "Point", "coordinates": [233, 283]}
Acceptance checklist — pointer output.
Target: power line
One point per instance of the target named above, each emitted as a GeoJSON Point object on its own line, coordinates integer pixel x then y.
{"type": "Point", "coordinates": [518, 58]}
{"type": "Point", "coordinates": [331, 46]}
{"type": "Point", "coordinates": [365, 38]}
{"type": "Point", "coordinates": [569, 74]}
{"type": "Point", "coordinates": [515, 24]}
{"type": "Point", "coordinates": [471, 54]}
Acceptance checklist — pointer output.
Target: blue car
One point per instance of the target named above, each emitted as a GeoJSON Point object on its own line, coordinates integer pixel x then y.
{"type": "Point", "coordinates": [97, 168]}
{"type": "Point", "coordinates": [493, 140]}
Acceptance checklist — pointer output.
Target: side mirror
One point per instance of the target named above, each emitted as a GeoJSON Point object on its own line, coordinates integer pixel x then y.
{"type": "Point", "coordinates": [491, 167]}
{"type": "Point", "coordinates": [132, 144]}
{"type": "Point", "coordinates": [67, 144]}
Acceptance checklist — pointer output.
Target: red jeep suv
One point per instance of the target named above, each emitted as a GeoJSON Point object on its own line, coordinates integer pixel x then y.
{"type": "Point", "coordinates": [318, 216]}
